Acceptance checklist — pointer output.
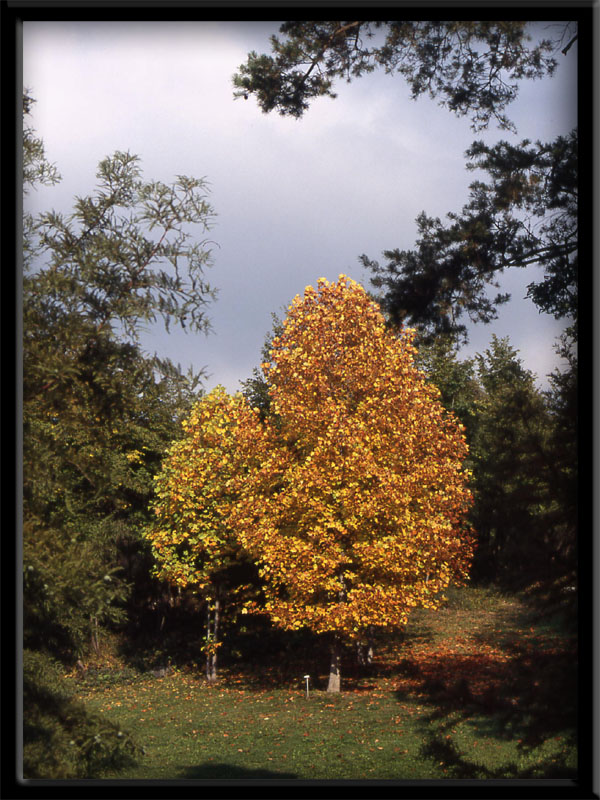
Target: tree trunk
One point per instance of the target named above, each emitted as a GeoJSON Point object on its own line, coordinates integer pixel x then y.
{"type": "Point", "coordinates": [365, 653]}
{"type": "Point", "coordinates": [334, 667]}
{"type": "Point", "coordinates": [216, 636]}
{"type": "Point", "coordinates": [94, 634]}
{"type": "Point", "coordinates": [365, 649]}
{"type": "Point", "coordinates": [212, 638]}
{"type": "Point", "coordinates": [210, 666]}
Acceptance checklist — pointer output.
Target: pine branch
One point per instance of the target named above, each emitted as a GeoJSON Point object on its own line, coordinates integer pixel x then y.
{"type": "Point", "coordinates": [566, 49]}
{"type": "Point", "coordinates": [321, 52]}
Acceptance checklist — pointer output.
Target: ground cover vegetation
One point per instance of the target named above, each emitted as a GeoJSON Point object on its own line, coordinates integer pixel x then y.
{"type": "Point", "coordinates": [121, 629]}
{"type": "Point", "coordinates": [466, 692]}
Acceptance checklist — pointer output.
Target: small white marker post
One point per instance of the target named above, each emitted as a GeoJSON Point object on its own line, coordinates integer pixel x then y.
{"type": "Point", "coordinates": [307, 678]}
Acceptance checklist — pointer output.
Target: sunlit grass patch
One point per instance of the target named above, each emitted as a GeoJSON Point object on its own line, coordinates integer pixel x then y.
{"type": "Point", "coordinates": [465, 693]}
{"type": "Point", "coordinates": [190, 730]}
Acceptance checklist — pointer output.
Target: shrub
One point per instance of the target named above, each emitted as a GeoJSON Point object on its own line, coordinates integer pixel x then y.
{"type": "Point", "coordinates": [61, 740]}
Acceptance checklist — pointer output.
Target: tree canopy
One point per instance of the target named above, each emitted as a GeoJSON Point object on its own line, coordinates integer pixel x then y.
{"type": "Point", "coordinates": [522, 211]}
{"type": "Point", "coordinates": [472, 68]}
{"type": "Point", "coordinates": [192, 539]}
{"type": "Point", "coordinates": [347, 490]}
{"type": "Point", "coordinates": [523, 455]}
{"type": "Point", "coordinates": [355, 513]}
{"type": "Point", "coordinates": [98, 415]}
{"type": "Point", "coordinates": [526, 214]}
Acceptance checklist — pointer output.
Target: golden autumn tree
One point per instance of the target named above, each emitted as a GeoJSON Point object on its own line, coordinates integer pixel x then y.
{"type": "Point", "coordinates": [191, 539]}
{"type": "Point", "coordinates": [355, 512]}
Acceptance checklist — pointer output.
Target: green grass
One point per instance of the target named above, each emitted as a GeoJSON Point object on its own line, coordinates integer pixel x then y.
{"type": "Point", "coordinates": [191, 731]}
{"type": "Point", "coordinates": [469, 692]}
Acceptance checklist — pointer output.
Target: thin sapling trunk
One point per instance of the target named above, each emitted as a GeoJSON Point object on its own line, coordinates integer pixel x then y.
{"type": "Point", "coordinates": [213, 611]}
{"type": "Point", "coordinates": [334, 666]}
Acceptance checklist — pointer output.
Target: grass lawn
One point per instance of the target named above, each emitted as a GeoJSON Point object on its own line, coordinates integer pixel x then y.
{"type": "Point", "coordinates": [470, 691]}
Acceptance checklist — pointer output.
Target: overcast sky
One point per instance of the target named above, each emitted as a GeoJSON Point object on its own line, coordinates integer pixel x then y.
{"type": "Point", "coordinates": [295, 200]}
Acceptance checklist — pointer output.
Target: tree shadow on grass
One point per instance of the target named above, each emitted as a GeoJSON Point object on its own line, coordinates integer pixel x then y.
{"type": "Point", "coordinates": [441, 750]}
{"type": "Point", "coordinates": [517, 688]}
{"type": "Point", "coordinates": [526, 693]}
{"type": "Point", "coordinates": [224, 771]}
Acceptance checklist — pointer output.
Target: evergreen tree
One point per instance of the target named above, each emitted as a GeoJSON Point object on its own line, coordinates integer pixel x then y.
{"type": "Point", "coordinates": [61, 739]}
{"type": "Point", "coordinates": [456, 379]}
{"type": "Point", "coordinates": [255, 388]}
{"type": "Point", "coordinates": [513, 472]}
{"type": "Point", "coordinates": [97, 417]}
{"type": "Point", "coordinates": [523, 455]}
{"type": "Point", "coordinates": [526, 214]}
{"type": "Point", "coordinates": [557, 588]}
{"type": "Point", "coordinates": [472, 68]}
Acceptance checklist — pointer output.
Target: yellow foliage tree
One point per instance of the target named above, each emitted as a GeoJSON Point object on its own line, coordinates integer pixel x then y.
{"type": "Point", "coordinates": [191, 539]}
{"type": "Point", "coordinates": [355, 510]}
